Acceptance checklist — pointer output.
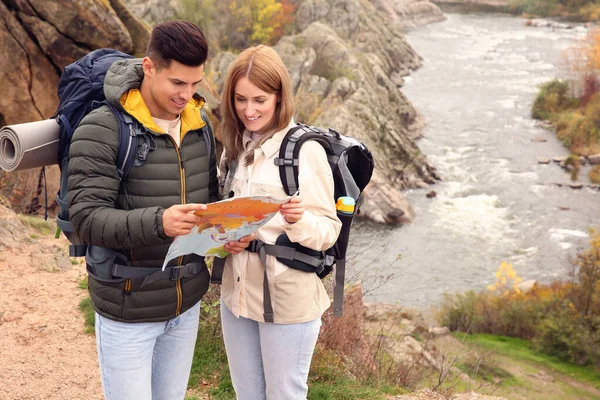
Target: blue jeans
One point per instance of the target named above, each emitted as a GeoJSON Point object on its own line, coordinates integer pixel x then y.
{"type": "Point", "coordinates": [268, 361]}
{"type": "Point", "coordinates": [146, 360]}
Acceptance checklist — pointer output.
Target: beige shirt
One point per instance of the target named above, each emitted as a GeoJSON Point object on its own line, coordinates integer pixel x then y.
{"type": "Point", "coordinates": [296, 296]}
{"type": "Point", "coordinates": [173, 128]}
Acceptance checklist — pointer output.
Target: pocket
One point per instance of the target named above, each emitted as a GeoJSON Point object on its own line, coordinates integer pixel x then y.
{"type": "Point", "coordinates": [237, 186]}
{"type": "Point", "coordinates": [341, 245]}
{"type": "Point", "coordinates": [266, 189]}
{"type": "Point", "coordinates": [100, 261]}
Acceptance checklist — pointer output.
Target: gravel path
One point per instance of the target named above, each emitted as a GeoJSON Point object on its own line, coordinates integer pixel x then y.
{"type": "Point", "coordinates": [44, 352]}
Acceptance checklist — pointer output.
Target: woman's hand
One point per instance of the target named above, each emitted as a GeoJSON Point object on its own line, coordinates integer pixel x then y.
{"type": "Point", "coordinates": [293, 210]}
{"type": "Point", "coordinates": [239, 246]}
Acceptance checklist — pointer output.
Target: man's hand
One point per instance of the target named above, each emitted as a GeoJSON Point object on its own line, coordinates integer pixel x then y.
{"type": "Point", "coordinates": [241, 245]}
{"type": "Point", "coordinates": [293, 210]}
{"type": "Point", "coordinates": [180, 219]}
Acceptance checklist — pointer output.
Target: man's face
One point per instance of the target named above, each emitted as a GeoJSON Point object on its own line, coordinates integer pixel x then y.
{"type": "Point", "coordinates": [170, 88]}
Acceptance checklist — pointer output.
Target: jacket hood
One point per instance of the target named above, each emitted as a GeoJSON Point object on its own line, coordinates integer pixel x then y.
{"type": "Point", "coordinates": [122, 89]}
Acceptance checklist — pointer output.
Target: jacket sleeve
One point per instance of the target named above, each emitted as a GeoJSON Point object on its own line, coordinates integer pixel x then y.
{"type": "Point", "coordinates": [319, 227]}
{"type": "Point", "coordinates": [93, 185]}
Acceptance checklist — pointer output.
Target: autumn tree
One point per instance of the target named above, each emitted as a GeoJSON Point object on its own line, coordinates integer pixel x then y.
{"type": "Point", "coordinates": [583, 66]}
{"type": "Point", "coordinates": [286, 19]}
{"type": "Point", "coordinates": [255, 22]}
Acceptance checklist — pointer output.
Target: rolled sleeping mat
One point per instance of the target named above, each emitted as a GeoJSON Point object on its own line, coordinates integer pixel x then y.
{"type": "Point", "coordinates": [29, 145]}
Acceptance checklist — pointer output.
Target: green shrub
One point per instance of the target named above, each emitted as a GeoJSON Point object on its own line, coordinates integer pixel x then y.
{"type": "Point", "coordinates": [40, 225]}
{"type": "Point", "coordinates": [541, 8]}
{"type": "Point", "coordinates": [87, 308]}
{"type": "Point", "coordinates": [594, 174]}
{"type": "Point", "coordinates": [590, 12]}
{"type": "Point", "coordinates": [568, 124]}
{"type": "Point", "coordinates": [579, 129]}
{"type": "Point", "coordinates": [459, 312]}
{"type": "Point", "coordinates": [588, 135]}
{"type": "Point", "coordinates": [572, 9]}
{"type": "Point", "coordinates": [552, 99]}
{"type": "Point", "coordinates": [566, 335]}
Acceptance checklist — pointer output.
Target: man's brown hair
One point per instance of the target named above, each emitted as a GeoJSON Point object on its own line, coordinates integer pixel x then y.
{"type": "Point", "coordinates": [178, 40]}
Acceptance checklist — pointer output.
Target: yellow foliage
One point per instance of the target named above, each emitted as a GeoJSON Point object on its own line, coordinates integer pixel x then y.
{"type": "Point", "coordinates": [257, 18]}
{"type": "Point", "coordinates": [594, 174]}
{"type": "Point", "coordinates": [590, 12]}
{"type": "Point", "coordinates": [594, 239]}
{"type": "Point", "coordinates": [507, 280]}
{"type": "Point", "coordinates": [264, 25]}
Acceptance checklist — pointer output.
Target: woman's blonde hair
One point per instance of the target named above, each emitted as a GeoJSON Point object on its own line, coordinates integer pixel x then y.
{"type": "Point", "coordinates": [265, 69]}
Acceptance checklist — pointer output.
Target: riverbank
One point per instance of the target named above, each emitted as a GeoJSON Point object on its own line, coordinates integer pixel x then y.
{"type": "Point", "coordinates": [574, 120]}
{"type": "Point", "coordinates": [582, 11]}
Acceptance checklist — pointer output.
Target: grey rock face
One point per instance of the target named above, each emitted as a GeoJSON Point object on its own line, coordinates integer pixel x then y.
{"type": "Point", "coordinates": [409, 14]}
{"type": "Point", "coordinates": [153, 11]}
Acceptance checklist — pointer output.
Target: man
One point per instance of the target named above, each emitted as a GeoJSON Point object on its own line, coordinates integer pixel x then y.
{"type": "Point", "coordinates": [146, 319]}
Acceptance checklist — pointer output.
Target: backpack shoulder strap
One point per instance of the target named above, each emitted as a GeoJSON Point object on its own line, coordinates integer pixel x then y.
{"type": "Point", "coordinates": [218, 267]}
{"type": "Point", "coordinates": [229, 174]}
{"type": "Point", "coordinates": [290, 151]}
{"type": "Point", "coordinates": [129, 130]}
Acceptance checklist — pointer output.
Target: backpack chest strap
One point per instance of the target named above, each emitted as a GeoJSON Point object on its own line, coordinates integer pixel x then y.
{"type": "Point", "coordinates": [285, 254]}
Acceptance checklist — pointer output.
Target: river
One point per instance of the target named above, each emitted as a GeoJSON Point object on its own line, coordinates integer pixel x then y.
{"type": "Point", "coordinates": [479, 78]}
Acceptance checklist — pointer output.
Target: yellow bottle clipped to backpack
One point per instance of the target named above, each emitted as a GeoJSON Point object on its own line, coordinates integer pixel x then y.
{"type": "Point", "coordinates": [345, 204]}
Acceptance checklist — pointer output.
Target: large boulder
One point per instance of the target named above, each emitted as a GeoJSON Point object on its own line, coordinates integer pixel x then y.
{"type": "Point", "coordinates": [39, 38]}
{"type": "Point", "coordinates": [409, 14]}
{"type": "Point", "coordinates": [483, 4]}
{"type": "Point", "coordinates": [66, 30]}
{"type": "Point", "coordinates": [154, 11]}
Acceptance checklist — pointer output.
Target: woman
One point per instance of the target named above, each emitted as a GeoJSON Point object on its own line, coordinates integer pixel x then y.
{"type": "Point", "coordinates": [271, 360]}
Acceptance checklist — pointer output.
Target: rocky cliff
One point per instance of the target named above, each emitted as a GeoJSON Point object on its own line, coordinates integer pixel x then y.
{"type": "Point", "coordinates": [38, 38]}
{"type": "Point", "coordinates": [347, 65]}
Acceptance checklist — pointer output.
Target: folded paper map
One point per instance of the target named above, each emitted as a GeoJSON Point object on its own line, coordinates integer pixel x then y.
{"type": "Point", "coordinates": [223, 222]}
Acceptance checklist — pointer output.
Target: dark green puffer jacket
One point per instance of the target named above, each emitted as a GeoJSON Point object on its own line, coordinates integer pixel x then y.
{"type": "Point", "coordinates": [127, 216]}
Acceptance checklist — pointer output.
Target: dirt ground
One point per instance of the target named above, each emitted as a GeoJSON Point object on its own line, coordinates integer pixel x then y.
{"type": "Point", "coordinates": [44, 352]}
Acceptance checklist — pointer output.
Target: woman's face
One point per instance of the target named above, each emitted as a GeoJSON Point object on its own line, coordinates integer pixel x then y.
{"type": "Point", "coordinates": [254, 107]}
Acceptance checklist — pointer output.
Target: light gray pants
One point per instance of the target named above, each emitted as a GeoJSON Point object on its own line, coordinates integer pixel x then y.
{"type": "Point", "coordinates": [268, 361]}
{"type": "Point", "coordinates": [147, 360]}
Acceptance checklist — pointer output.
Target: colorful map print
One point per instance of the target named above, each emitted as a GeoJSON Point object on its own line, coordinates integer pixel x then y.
{"type": "Point", "coordinates": [223, 222]}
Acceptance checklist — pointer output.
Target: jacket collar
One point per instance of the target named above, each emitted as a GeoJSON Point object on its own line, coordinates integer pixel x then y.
{"type": "Point", "coordinates": [271, 146]}
{"type": "Point", "coordinates": [121, 88]}
{"type": "Point", "coordinates": [191, 119]}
